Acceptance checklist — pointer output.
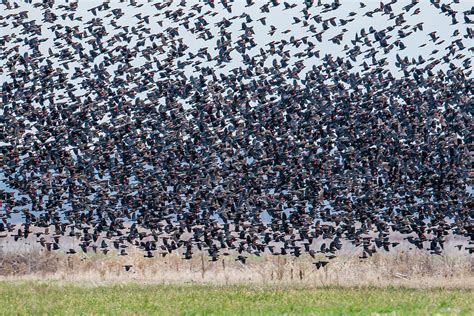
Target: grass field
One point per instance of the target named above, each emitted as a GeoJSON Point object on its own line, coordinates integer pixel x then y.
{"type": "Point", "coordinates": [131, 298]}
{"type": "Point", "coordinates": [401, 283]}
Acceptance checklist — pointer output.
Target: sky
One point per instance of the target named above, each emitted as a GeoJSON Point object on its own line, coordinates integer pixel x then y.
{"type": "Point", "coordinates": [432, 18]}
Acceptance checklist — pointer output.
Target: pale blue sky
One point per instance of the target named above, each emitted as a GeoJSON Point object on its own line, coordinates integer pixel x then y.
{"type": "Point", "coordinates": [282, 19]}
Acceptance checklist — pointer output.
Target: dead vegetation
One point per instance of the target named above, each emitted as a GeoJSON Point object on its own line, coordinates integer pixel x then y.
{"type": "Point", "coordinates": [404, 268]}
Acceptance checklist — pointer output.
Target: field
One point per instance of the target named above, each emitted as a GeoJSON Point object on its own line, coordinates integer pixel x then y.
{"type": "Point", "coordinates": [402, 283]}
{"type": "Point", "coordinates": [401, 268]}
{"type": "Point", "coordinates": [131, 298]}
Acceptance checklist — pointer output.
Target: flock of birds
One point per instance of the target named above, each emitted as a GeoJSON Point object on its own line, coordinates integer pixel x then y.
{"type": "Point", "coordinates": [118, 133]}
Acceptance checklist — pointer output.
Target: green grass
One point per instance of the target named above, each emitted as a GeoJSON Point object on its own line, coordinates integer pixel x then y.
{"type": "Point", "coordinates": [55, 298]}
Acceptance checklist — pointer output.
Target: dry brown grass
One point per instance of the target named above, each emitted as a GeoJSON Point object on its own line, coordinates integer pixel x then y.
{"type": "Point", "coordinates": [404, 268]}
